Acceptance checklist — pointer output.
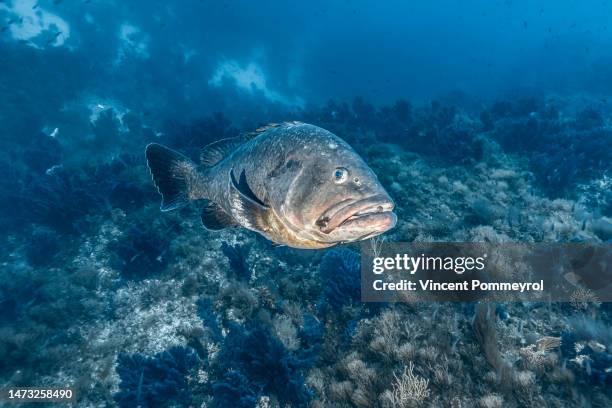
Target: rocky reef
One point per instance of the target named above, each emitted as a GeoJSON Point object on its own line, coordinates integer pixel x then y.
{"type": "Point", "coordinates": [101, 292]}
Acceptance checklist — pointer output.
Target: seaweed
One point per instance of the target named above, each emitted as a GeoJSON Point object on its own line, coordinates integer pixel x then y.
{"type": "Point", "coordinates": [440, 133]}
{"type": "Point", "coordinates": [502, 109]}
{"type": "Point", "coordinates": [364, 112]}
{"type": "Point", "coordinates": [311, 338]}
{"type": "Point", "coordinates": [141, 251]}
{"type": "Point", "coordinates": [41, 153]}
{"type": "Point", "coordinates": [501, 311]}
{"type": "Point", "coordinates": [60, 200]}
{"type": "Point", "coordinates": [264, 362]}
{"type": "Point", "coordinates": [571, 158]}
{"type": "Point", "coordinates": [349, 358]}
{"type": "Point", "coordinates": [394, 121]}
{"type": "Point", "coordinates": [120, 183]}
{"type": "Point", "coordinates": [106, 130]}
{"type": "Point", "coordinates": [235, 390]}
{"type": "Point", "coordinates": [209, 318]}
{"type": "Point", "coordinates": [559, 155]}
{"type": "Point", "coordinates": [340, 271]}
{"type": "Point", "coordinates": [155, 381]}
{"type": "Point", "coordinates": [237, 257]}
{"type": "Point", "coordinates": [606, 205]}
{"type": "Point", "coordinates": [43, 245]}
{"type": "Point", "coordinates": [589, 118]}
{"type": "Point", "coordinates": [19, 290]}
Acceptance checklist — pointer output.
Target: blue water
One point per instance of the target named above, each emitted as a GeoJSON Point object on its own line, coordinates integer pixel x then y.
{"type": "Point", "coordinates": [485, 121]}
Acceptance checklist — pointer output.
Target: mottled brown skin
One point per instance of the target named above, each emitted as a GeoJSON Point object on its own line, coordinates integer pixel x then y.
{"type": "Point", "coordinates": [292, 170]}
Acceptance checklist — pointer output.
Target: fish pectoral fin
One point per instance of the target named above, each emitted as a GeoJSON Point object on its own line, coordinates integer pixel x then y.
{"type": "Point", "coordinates": [249, 211]}
{"type": "Point", "coordinates": [214, 218]}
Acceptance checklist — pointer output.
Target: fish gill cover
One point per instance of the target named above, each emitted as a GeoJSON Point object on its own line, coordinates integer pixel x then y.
{"type": "Point", "coordinates": [483, 121]}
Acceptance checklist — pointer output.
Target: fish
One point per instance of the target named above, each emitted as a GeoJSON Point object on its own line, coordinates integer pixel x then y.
{"type": "Point", "coordinates": [295, 183]}
{"type": "Point", "coordinates": [53, 38]}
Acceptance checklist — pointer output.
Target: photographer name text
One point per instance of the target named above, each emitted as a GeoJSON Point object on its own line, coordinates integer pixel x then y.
{"type": "Point", "coordinates": [466, 285]}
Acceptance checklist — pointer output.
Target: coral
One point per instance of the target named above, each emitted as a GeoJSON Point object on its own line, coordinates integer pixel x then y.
{"type": "Point", "coordinates": [486, 333]}
{"type": "Point", "coordinates": [409, 389]}
{"type": "Point", "coordinates": [582, 299]}
{"type": "Point", "coordinates": [484, 212]}
{"type": "Point", "coordinates": [602, 227]}
{"type": "Point", "coordinates": [286, 332]}
{"type": "Point", "coordinates": [157, 380]}
{"type": "Point", "coordinates": [491, 401]}
{"type": "Point", "coordinates": [548, 343]}
{"type": "Point", "coordinates": [588, 350]}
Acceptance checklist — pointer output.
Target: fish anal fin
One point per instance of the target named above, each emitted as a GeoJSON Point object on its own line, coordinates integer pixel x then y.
{"type": "Point", "coordinates": [219, 150]}
{"type": "Point", "coordinates": [214, 218]}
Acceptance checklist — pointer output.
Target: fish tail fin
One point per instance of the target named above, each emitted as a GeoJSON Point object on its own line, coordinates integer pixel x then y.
{"type": "Point", "coordinates": [172, 174]}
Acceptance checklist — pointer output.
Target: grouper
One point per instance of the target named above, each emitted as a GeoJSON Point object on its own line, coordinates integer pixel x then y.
{"type": "Point", "coordinates": [296, 184]}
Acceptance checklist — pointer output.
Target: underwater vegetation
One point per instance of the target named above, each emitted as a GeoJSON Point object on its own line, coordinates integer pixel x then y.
{"type": "Point", "coordinates": [586, 346]}
{"type": "Point", "coordinates": [141, 251]}
{"type": "Point", "coordinates": [132, 307]}
{"type": "Point", "coordinates": [340, 271]}
{"type": "Point", "coordinates": [237, 257]}
{"type": "Point", "coordinates": [166, 313]}
{"type": "Point", "coordinates": [264, 365]}
{"type": "Point", "coordinates": [154, 381]}
{"type": "Point", "coordinates": [562, 152]}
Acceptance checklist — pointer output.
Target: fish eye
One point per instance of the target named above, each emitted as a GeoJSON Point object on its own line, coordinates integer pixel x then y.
{"type": "Point", "coordinates": [340, 175]}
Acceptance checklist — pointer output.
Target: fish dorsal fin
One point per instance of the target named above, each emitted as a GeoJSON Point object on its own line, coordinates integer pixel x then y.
{"type": "Point", "coordinates": [219, 150]}
{"type": "Point", "coordinates": [215, 218]}
{"type": "Point", "coordinates": [265, 128]}
{"type": "Point", "coordinates": [249, 211]}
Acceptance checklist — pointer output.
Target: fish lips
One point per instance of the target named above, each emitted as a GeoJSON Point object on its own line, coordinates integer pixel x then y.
{"type": "Point", "coordinates": [370, 214]}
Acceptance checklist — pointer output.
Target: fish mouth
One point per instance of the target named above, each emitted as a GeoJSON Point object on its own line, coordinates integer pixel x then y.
{"type": "Point", "coordinates": [374, 213]}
